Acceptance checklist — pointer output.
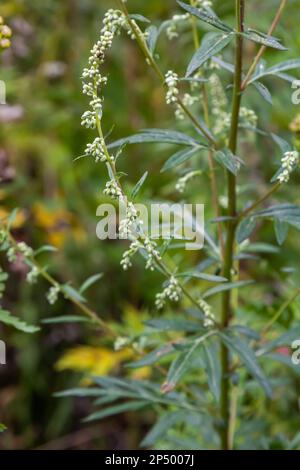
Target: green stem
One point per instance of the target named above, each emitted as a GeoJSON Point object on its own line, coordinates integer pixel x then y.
{"type": "Point", "coordinates": [151, 61]}
{"type": "Point", "coordinates": [262, 199]}
{"type": "Point", "coordinates": [282, 309]}
{"type": "Point", "coordinates": [231, 228]}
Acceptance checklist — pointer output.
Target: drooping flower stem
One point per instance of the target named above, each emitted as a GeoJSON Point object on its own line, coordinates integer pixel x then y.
{"type": "Point", "coordinates": [228, 266]}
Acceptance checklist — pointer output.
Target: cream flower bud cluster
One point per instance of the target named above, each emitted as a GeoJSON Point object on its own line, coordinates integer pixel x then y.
{"type": "Point", "coordinates": [130, 223]}
{"type": "Point", "coordinates": [96, 150]}
{"type": "Point", "coordinates": [5, 35]}
{"type": "Point", "coordinates": [202, 3]}
{"type": "Point", "coordinates": [52, 294]}
{"type": "Point", "coordinates": [209, 319]}
{"type": "Point", "coordinates": [171, 30]}
{"type": "Point", "coordinates": [182, 182]}
{"type": "Point", "coordinates": [172, 292]}
{"type": "Point", "coordinates": [152, 253]}
{"type": "Point", "coordinates": [126, 261]}
{"type": "Point", "coordinates": [113, 190]}
{"type": "Point", "coordinates": [172, 80]}
{"type": "Point", "coordinates": [21, 248]}
{"type": "Point", "coordinates": [249, 116]}
{"type": "Point", "coordinates": [32, 275]}
{"type": "Point", "coordinates": [289, 162]}
{"type": "Point", "coordinates": [92, 78]}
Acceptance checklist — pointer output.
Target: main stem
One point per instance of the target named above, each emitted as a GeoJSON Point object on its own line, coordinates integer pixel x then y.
{"type": "Point", "coordinates": [227, 312]}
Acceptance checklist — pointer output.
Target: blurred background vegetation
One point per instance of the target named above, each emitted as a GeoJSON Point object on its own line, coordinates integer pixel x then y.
{"type": "Point", "coordinates": [40, 136]}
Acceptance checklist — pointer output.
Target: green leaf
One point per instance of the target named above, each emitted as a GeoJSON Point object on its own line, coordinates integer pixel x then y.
{"type": "Point", "coordinates": [212, 44]}
{"type": "Point", "coordinates": [263, 91]}
{"type": "Point", "coordinates": [289, 213]}
{"type": "Point", "coordinates": [114, 410]}
{"type": "Point", "coordinates": [283, 340]}
{"type": "Point", "coordinates": [206, 16]}
{"type": "Point", "coordinates": [66, 319]}
{"type": "Point", "coordinates": [8, 319]}
{"type": "Point", "coordinates": [281, 231]}
{"type": "Point", "coordinates": [162, 426]}
{"type": "Point", "coordinates": [45, 248]}
{"type": "Point", "coordinates": [152, 357]}
{"type": "Point", "coordinates": [246, 354]}
{"type": "Point", "coordinates": [276, 69]}
{"type": "Point", "coordinates": [245, 229]}
{"type": "Point", "coordinates": [156, 136]}
{"type": "Point", "coordinates": [11, 218]}
{"type": "Point", "coordinates": [204, 276]}
{"type": "Point", "coordinates": [139, 184]}
{"type": "Point", "coordinates": [90, 281]}
{"type": "Point", "coordinates": [173, 325]}
{"type": "Point", "coordinates": [182, 364]}
{"type": "Point", "coordinates": [152, 37]}
{"type": "Point", "coordinates": [141, 18]}
{"type": "Point", "coordinates": [282, 144]}
{"type": "Point", "coordinates": [79, 392]}
{"type": "Point", "coordinates": [263, 39]}
{"type": "Point", "coordinates": [245, 331]}
{"type": "Point", "coordinates": [2, 427]}
{"type": "Point", "coordinates": [225, 287]}
{"type": "Point", "coordinates": [228, 160]}
{"type": "Point", "coordinates": [213, 370]}
{"type": "Point", "coordinates": [71, 293]}
{"type": "Point", "coordinates": [180, 157]}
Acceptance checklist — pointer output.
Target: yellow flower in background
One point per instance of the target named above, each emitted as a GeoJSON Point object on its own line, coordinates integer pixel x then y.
{"type": "Point", "coordinates": [99, 361]}
{"type": "Point", "coordinates": [58, 223]}
{"type": "Point", "coordinates": [295, 124]}
{"type": "Point", "coordinates": [19, 219]}
{"type": "Point", "coordinates": [93, 360]}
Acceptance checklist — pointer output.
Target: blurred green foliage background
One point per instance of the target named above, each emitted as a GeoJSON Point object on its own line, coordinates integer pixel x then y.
{"type": "Point", "coordinates": [40, 136]}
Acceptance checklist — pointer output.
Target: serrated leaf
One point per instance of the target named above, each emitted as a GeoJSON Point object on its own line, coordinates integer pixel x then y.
{"type": "Point", "coordinates": [228, 160]}
{"type": "Point", "coordinates": [212, 44]}
{"type": "Point", "coordinates": [247, 356]}
{"type": "Point", "coordinates": [245, 229]}
{"type": "Point", "coordinates": [139, 185]}
{"type": "Point", "coordinates": [180, 157]}
{"type": "Point", "coordinates": [8, 319]}
{"type": "Point", "coordinates": [156, 136]}
{"type": "Point", "coordinates": [208, 17]}
{"type": "Point", "coordinates": [225, 287]}
{"type": "Point", "coordinates": [114, 410]}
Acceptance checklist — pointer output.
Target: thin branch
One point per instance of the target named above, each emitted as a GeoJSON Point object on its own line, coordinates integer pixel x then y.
{"type": "Point", "coordinates": [263, 48]}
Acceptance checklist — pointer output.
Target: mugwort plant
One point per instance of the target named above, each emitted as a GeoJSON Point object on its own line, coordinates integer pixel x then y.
{"type": "Point", "coordinates": [211, 354]}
